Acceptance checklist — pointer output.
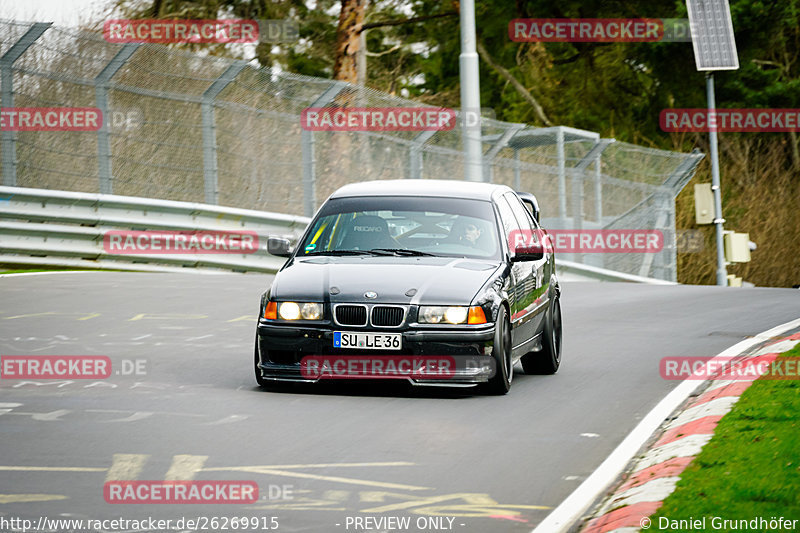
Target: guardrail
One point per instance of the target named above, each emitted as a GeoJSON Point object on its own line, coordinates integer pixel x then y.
{"type": "Point", "coordinates": [40, 227]}
{"type": "Point", "coordinates": [59, 228]}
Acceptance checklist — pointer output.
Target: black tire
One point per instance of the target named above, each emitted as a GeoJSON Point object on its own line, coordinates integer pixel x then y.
{"type": "Point", "coordinates": [548, 359]}
{"type": "Point", "coordinates": [500, 383]}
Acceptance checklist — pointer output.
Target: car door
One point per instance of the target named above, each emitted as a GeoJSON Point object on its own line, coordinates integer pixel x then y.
{"type": "Point", "coordinates": [533, 282]}
{"type": "Point", "coordinates": [521, 276]}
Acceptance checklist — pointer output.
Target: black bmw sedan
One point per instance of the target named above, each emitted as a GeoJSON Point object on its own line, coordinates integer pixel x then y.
{"type": "Point", "coordinates": [435, 282]}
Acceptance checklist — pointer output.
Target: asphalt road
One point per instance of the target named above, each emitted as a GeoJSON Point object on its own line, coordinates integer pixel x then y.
{"type": "Point", "coordinates": [323, 456]}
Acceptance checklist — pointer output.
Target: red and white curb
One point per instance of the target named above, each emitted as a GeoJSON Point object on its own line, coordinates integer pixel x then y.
{"type": "Point", "coordinates": [654, 475]}
{"type": "Point", "coordinates": [683, 437]}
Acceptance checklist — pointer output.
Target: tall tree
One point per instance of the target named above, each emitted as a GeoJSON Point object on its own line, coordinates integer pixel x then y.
{"type": "Point", "coordinates": [351, 18]}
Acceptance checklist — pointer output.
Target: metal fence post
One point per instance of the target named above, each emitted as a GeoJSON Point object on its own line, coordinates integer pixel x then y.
{"type": "Point", "coordinates": [668, 257]}
{"type": "Point", "coordinates": [517, 173]}
{"type": "Point", "coordinates": [499, 144]}
{"type": "Point", "coordinates": [415, 154]}
{"type": "Point", "coordinates": [210, 169]}
{"type": "Point", "coordinates": [578, 179]}
{"type": "Point", "coordinates": [309, 171]}
{"type": "Point", "coordinates": [101, 81]}
{"type": "Point", "coordinates": [598, 189]}
{"type": "Point", "coordinates": [9, 138]}
{"type": "Point", "coordinates": [562, 175]}
{"type": "Point", "coordinates": [308, 155]}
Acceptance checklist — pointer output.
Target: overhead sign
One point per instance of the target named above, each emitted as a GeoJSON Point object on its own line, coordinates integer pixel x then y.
{"type": "Point", "coordinates": [712, 35]}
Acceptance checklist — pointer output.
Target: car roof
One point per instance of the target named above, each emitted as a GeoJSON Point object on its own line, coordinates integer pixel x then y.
{"type": "Point", "coordinates": [421, 187]}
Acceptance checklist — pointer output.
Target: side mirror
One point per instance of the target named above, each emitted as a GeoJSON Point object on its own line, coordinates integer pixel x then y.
{"type": "Point", "coordinates": [531, 200]}
{"type": "Point", "coordinates": [528, 252]}
{"type": "Point", "coordinates": [279, 246]}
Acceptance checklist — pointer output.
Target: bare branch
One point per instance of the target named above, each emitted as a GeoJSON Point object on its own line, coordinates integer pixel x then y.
{"type": "Point", "coordinates": [526, 95]}
{"type": "Point", "coordinates": [407, 21]}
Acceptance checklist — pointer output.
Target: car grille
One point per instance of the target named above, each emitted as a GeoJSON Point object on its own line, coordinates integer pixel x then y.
{"type": "Point", "coordinates": [387, 316]}
{"type": "Point", "coordinates": [351, 315]}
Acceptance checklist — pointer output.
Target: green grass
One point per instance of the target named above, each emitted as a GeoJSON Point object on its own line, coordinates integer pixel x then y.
{"type": "Point", "coordinates": [27, 270]}
{"type": "Point", "coordinates": [750, 468]}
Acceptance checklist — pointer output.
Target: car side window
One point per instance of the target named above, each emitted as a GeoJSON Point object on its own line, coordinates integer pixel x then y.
{"type": "Point", "coordinates": [523, 216]}
{"type": "Point", "coordinates": [507, 218]}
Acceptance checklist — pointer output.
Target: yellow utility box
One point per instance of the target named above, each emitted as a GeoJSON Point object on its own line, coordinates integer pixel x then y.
{"type": "Point", "coordinates": [703, 203]}
{"type": "Point", "coordinates": [737, 247]}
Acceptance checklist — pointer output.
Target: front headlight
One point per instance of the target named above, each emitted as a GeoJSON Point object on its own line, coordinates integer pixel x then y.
{"type": "Point", "coordinates": [300, 311]}
{"type": "Point", "coordinates": [454, 314]}
{"type": "Point", "coordinates": [435, 314]}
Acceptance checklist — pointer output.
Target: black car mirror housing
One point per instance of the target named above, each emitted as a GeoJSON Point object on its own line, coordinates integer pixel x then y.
{"type": "Point", "coordinates": [528, 252]}
{"type": "Point", "coordinates": [279, 246]}
{"type": "Point", "coordinates": [530, 199]}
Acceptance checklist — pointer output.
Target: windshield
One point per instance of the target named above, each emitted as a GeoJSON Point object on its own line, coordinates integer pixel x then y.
{"type": "Point", "coordinates": [403, 225]}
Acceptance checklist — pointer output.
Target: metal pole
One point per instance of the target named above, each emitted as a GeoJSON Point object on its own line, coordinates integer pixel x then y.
{"type": "Point", "coordinates": [562, 175]}
{"type": "Point", "coordinates": [722, 274]}
{"type": "Point", "coordinates": [415, 154]}
{"type": "Point", "coordinates": [106, 177]}
{"type": "Point", "coordinates": [470, 94]}
{"type": "Point", "coordinates": [308, 153]}
{"type": "Point", "coordinates": [598, 190]}
{"type": "Point", "coordinates": [210, 168]}
{"type": "Point", "coordinates": [309, 172]}
{"type": "Point", "coordinates": [8, 138]}
{"type": "Point", "coordinates": [517, 172]}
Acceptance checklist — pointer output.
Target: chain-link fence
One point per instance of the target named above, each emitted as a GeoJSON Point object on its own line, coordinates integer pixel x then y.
{"type": "Point", "coordinates": [191, 127]}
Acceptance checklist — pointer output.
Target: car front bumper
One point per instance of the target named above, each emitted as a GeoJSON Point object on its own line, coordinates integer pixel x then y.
{"type": "Point", "coordinates": [282, 347]}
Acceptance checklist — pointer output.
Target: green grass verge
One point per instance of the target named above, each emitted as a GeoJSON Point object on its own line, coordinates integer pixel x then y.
{"type": "Point", "coordinates": [749, 469]}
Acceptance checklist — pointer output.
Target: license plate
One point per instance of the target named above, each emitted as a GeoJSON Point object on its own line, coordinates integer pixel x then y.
{"type": "Point", "coordinates": [367, 341]}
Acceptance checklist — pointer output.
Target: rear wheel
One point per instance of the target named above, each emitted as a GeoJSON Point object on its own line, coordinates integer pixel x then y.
{"type": "Point", "coordinates": [548, 359]}
{"type": "Point", "coordinates": [500, 383]}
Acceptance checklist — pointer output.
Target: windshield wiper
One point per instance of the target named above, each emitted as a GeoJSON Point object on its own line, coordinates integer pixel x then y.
{"type": "Point", "coordinates": [338, 252]}
{"type": "Point", "coordinates": [403, 251]}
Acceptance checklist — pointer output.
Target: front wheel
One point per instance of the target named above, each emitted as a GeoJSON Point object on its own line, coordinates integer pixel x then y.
{"type": "Point", "coordinates": [500, 383]}
{"type": "Point", "coordinates": [548, 359]}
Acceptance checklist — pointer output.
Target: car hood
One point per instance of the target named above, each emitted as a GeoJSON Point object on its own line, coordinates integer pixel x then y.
{"type": "Point", "coordinates": [398, 280]}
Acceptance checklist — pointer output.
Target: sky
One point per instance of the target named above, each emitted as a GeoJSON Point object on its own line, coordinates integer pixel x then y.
{"type": "Point", "coordinates": [60, 12]}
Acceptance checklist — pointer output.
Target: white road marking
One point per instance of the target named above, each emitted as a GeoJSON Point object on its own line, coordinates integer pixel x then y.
{"type": "Point", "coordinates": [138, 415]}
{"type": "Point", "coordinates": [48, 417]}
{"type": "Point", "coordinates": [59, 384]}
{"type": "Point", "coordinates": [8, 407]}
{"type": "Point", "coordinates": [590, 435]}
{"type": "Point", "coordinates": [227, 420]}
{"type": "Point", "coordinates": [126, 466]}
{"type": "Point", "coordinates": [198, 338]}
{"type": "Point", "coordinates": [185, 467]}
